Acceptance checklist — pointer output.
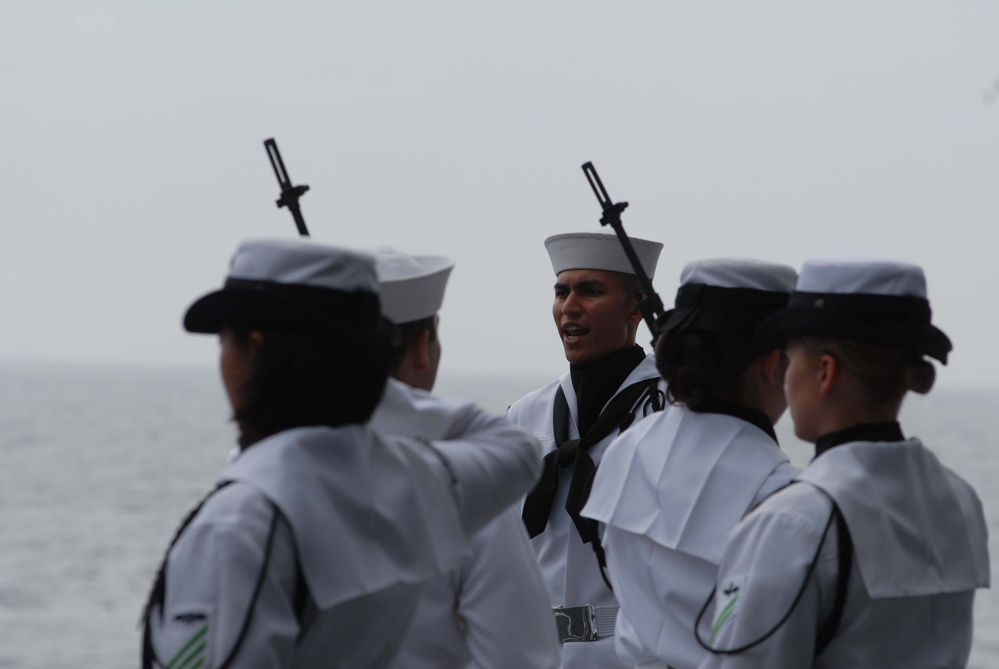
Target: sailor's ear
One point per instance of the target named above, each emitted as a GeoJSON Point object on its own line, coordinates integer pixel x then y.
{"type": "Point", "coordinates": [773, 366]}
{"type": "Point", "coordinates": [635, 315]}
{"type": "Point", "coordinates": [419, 351]}
{"type": "Point", "coordinates": [829, 373]}
{"type": "Point", "coordinates": [254, 344]}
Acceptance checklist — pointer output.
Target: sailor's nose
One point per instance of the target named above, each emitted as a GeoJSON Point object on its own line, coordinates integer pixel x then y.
{"type": "Point", "coordinates": [571, 304]}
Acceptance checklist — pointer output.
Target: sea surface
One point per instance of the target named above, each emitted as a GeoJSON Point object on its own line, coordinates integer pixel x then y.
{"type": "Point", "coordinates": [99, 463]}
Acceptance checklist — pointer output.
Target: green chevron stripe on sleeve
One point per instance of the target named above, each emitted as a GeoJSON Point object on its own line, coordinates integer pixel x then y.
{"type": "Point", "coordinates": [191, 651]}
{"type": "Point", "coordinates": [723, 617]}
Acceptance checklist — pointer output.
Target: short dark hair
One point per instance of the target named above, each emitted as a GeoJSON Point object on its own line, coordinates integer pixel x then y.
{"type": "Point", "coordinates": [410, 332]}
{"type": "Point", "coordinates": [629, 282]}
{"type": "Point", "coordinates": [303, 380]}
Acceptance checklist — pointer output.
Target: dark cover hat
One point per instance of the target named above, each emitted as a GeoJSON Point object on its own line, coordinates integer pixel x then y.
{"type": "Point", "coordinates": [723, 293]}
{"type": "Point", "coordinates": [875, 301]}
{"type": "Point", "coordinates": [293, 285]}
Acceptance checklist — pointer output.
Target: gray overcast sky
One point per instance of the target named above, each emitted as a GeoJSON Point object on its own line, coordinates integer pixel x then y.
{"type": "Point", "coordinates": [133, 164]}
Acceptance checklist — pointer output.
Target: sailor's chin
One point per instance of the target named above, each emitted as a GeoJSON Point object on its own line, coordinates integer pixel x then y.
{"type": "Point", "coordinates": [575, 352]}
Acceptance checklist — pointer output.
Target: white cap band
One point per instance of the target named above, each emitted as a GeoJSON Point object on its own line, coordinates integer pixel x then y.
{"type": "Point", "coordinates": [597, 250]}
{"type": "Point", "coordinates": [411, 287]}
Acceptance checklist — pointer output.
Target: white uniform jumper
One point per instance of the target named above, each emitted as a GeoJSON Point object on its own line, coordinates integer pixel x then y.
{"type": "Point", "coordinates": [568, 566]}
{"type": "Point", "coordinates": [919, 552]}
{"type": "Point", "coordinates": [315, 553]}
{"type": "Point", "coordinates": [492, 611]}
{"type": "Point", "coordinates": [669, 490]}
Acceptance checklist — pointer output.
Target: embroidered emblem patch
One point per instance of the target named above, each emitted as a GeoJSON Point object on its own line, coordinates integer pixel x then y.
{"type": "Point", "coordinates": [726, 601]}
{"type": "Point", "coordinates": [184, 639]}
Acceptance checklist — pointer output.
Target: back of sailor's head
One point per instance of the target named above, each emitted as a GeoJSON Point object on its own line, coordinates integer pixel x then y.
{"type": "Point", "coordinates": [706, 340]}
{"type": "Point", "coordinates": [310, 315]}
{"type": "Point", "coordinates": [412, 292]}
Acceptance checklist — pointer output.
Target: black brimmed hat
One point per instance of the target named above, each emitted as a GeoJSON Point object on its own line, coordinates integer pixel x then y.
{"type": "Point", "coordinates": [724, 293]}
{"type": "Point", "coordinates": [294, 285]}
{"type": "Point", "coordinates": [873, 301]}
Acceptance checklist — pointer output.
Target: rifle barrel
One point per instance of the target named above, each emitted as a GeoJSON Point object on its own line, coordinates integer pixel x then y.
{"type": "Point", "coordinates": [650, 304]}
{"type": "Point", "coordinates": [289, 194]}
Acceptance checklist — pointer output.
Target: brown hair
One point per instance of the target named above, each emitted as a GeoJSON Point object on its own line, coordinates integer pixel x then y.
{"type": "Point", "coordinates": [887, 373]}
{"type": "Point", "coordinates": [698, 364]}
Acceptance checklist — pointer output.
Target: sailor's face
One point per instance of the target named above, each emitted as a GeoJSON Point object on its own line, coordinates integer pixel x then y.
{"type": "Point", "coordinates": [801, 387]}
{"type": "Point", "coordinates": [594, 314]}
{"type": "Point", "coordinates": [434, 354]}
{"type": "Point", "coordinates": [236, 361]}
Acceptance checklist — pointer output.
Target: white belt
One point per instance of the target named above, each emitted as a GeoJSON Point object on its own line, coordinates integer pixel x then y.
{"type": "Point", "coordinates": [585, 623]}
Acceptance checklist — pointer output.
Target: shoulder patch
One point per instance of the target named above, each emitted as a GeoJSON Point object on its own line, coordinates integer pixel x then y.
{"type": "Point", "coordinates": [726, 603]}
{"type": "Point", "coordinates": [183, 639]}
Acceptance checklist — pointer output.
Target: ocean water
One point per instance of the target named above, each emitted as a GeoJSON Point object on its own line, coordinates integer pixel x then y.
{"type": "Point", "coordinates": [98, 464]}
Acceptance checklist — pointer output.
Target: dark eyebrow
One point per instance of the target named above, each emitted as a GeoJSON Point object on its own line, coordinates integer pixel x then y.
{"type": "Point", "coordinates": [586, 284]}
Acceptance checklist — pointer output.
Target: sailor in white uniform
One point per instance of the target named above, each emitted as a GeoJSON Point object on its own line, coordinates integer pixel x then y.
{"type": "Point", "coordinates": [493, 610]}
{"type": "Point", "coordinates": [610, 385]}
{"type": "Point", "coordinates": [872, 558]}
{"type": "Point", "coordinates": [670, 489]}
{"type": "Point", "coordinates": [314, 549]}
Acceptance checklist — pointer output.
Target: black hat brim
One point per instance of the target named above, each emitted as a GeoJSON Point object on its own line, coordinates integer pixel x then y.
{"type": "Point", "coordinates": [922, 338]}
{"type": "Point", "coordinates": [355, 317]}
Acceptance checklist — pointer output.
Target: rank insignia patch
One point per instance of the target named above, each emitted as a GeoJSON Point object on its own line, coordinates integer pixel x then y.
{"type": "Point", "coordinates": [726, 600]}
{"type": "Point", "coordinates": [184, 639]}
{"type": "Point", "coordinates": [194, 652]}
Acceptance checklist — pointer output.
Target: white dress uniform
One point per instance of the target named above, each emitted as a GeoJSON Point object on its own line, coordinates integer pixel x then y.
{"type": "Point", "coordinates": [360, 521]}
{"type": "Point", "coordinates": [569, 567]}
{"type": "Point", "coordinates": [787, 594]}
{"type": "Point", "coordinates": [492, 611]}
{"type": "Point", "coordinates": [669, 490]}
{"type": "Point", "coordinates": [919, 552]}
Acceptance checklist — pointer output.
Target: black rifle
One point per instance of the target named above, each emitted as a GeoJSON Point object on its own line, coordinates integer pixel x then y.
{"type": "Point", "coordinates": [649, 303]}
{"type": "Point", "coordinates": [289, 194]}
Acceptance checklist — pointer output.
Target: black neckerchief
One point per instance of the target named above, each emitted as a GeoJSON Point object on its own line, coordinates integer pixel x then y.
{"type": "Point", "coordinates": [573, 452]}
{"type": "Point", "coordinates": [890, 431]}
{"type": "Point", "coordinates": [729, 408]}
{"type": "Point", "coordinates": [597, 382]}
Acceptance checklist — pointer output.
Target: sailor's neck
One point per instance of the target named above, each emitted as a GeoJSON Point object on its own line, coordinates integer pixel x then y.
{"type": "Point", "coordinates": [596, 383]}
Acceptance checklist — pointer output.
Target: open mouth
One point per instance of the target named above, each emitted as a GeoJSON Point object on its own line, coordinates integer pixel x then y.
{"type": "Point", "coordinates": [571, 332]}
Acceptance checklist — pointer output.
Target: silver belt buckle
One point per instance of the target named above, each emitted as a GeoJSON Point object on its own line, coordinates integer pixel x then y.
{"type": "Point", "coordinates": [576, 623]}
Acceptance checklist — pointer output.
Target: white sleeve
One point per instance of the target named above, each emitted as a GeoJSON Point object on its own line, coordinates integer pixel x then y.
{"type": "Point", "coordinates": [493, 464]}
{"type": "Point", "coordinates": [504, 603]}
{"type": "Point", "coordinates": [215, 586]}
{"type": "Point", "coordinates": [766, 565]}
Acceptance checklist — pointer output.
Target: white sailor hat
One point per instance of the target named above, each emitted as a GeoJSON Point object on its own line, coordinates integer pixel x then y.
{"type": "Point", "coordinates": [598, 250]}
{"type": "Point", "coordinates": [877, 301]}
{"type": "Point", "coordinates": [293, 285]}
{"type": "Point", "coordinates": [411, 287]}
{"type": "Point", "coordinates": [722, 293]}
